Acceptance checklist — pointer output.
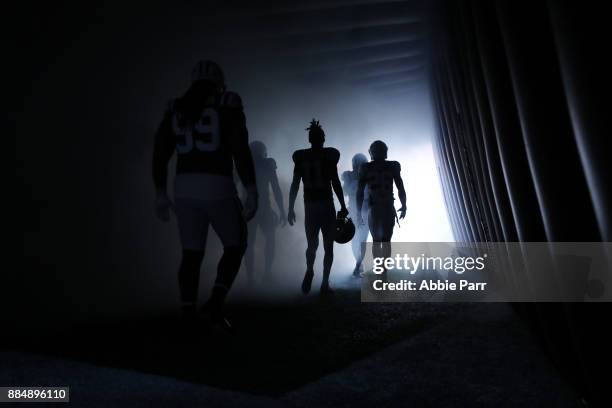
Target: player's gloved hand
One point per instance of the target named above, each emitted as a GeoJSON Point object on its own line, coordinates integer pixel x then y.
{"type": "Point", "coordinates": [162, 206]}
{"type": "Point", "coordinates": [402, 212]}
{"type": "Point", "coordinates": [291, 216]}
{"type": "Point", "coordinates": [282, 220]}
{"type": "Point", "coordinates": [251, 203]}
{"type": "Point", "coordinates": [343, 213]}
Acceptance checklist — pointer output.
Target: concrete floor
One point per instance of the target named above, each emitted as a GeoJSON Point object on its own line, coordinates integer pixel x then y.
{"type": "Point", "coordinates": [308, 353]}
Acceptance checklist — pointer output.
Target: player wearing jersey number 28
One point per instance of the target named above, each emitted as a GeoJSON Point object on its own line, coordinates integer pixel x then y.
{"type": "Point", "coordinates": [378, 176]}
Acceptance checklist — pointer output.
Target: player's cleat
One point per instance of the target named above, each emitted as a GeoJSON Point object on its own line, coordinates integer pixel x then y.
{"type": "Point", "coordinates": [366, 273]}
{"type": "Point", "coordinates": [189, 320]}
{"type": "Point", "coordinates": [326, 290]}
{"type": "Point", "coordinates": [221, 322]}
{"type": "Point", "coordinates": [189, 312]}
{"type": "Point", "coordinates": [215, 319]}
{"type": "Point", "coordinates": [307, 282]}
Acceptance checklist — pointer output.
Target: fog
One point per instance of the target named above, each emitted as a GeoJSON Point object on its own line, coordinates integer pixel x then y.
{"type": "Point", "coordinates": [278, 111]}
{"type": "Point", "coordinates": [85, 136]}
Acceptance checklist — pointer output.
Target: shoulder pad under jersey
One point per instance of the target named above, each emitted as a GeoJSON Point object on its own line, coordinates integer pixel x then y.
{"type": "Point", "coordinates": [396, 166]}
{"type": "Point", "coordinates": [346, 175]}
{"type": "Point", "coordinates": [170, 106]}
{"type": "Point", "coordinates": [298, 156]}
{"type": "Point", "coordinates": [364, 168]}
{"type": "Point", "coordinates": [332, 154]}
{"type": "Point", "coordinates": [230, 100]}
{"type": "Point", "coordinates": [271, 163]}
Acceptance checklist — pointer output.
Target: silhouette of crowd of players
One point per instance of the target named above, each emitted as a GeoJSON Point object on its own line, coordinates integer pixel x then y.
{"type": "Point", "coordinates": [206, 127]}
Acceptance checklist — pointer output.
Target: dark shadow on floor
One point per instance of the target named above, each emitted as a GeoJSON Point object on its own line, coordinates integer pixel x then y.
{"type": "Point", "coordinates": [277, 347]}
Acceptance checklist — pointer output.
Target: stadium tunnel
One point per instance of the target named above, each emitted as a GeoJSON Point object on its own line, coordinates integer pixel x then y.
{"type": "Point", "coordinates": [517, 94]}
{"type": "Point", "coordinates": [519, 111]}
{"type": "Point", "coordinates": [518, 100]}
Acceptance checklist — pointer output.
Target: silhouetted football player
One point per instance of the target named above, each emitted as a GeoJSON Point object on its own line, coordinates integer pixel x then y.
{"type": "Point", "coordinates": [207, 129]}
{"type": "Point", "coordinates": [350, 181]}
{"type": "Point", "coordinates": [317, 169]}
{"type": "Point", "coordinates": [378, 176]}
{"type": "Point", "coordinates": [266, 220]}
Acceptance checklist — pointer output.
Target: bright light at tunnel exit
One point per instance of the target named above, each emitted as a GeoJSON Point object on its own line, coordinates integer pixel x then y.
{"type": "Point", "coordinates": [426, 219]}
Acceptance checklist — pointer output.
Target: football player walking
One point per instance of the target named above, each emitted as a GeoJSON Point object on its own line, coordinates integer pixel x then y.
{"type": "Point", "coordinates": [378, 176]}
{"type": "Point", "coordinates": [266, 220]}
{"type": "Point", "coordinates": [207, 129]}
{"type": "Point", "coordinates": [317, 168]}
{"type": "Point", "coordinates": [350, 181]}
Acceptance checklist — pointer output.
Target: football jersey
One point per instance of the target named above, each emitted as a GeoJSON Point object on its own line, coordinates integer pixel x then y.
{"type": "Point", "coordinates": [205, 150]}
{"type": "Point", "coordinates": [206, 146]}
{"type": "Point", "coordinates": [379, 177]}
{"type": "Point", "coordinates": [317, 167]}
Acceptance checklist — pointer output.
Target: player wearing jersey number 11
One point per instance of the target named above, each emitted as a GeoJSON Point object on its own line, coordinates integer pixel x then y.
{"type": "Point", "coordinates": [317, 169]}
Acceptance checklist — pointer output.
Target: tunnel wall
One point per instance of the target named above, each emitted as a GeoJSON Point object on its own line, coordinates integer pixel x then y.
{"type": "Point", "coordinates": [518, 89]}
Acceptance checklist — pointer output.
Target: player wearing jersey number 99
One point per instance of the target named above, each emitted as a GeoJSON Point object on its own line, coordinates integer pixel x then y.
{"type": "Point", "coordinates": [206, 127]}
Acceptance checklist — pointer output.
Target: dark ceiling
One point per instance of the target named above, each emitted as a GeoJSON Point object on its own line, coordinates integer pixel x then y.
{"type": "Point", "coordinates": [377, 45]}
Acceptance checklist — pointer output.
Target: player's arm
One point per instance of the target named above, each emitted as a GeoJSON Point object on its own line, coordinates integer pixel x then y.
{"type": "Point", "coordinates": [359, 195]}
{"type": "Point", "coordinates": [345, 182]}
{"type": "Point", "coordinates": [243, 158]}
{"type": "Point", "coordinates": [293, 190]}
{"type": "Point", "coordinates": [401, 192]}
{"type": "Point", "coordinates": [337, 186]}
{"type": "Point", "coordinates": [278, 195]}
{"type": "Point", "coordinates": [242, 153]}
{"type": "Point", "coordinates": [163, 148]}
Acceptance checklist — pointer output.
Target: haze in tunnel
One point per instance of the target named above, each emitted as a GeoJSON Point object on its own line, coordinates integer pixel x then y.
{"type": "Point", "coordinates": [353, 118]}
{"type": "Point", "coordinates": [363, 78]}
{"type": "Point", "coordinates": [514, 102]}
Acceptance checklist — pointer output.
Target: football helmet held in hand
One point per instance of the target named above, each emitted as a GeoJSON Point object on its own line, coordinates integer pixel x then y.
{"type": "Point", "coordinates": [344, 229]}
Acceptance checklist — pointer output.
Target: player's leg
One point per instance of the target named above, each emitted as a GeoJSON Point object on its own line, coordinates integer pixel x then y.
{"type": "Point", "coordinates": [356, 247]}
{"type": "Point", "coordinates": [387, 226]}
{"type": "Point", "coordinates": [269, 232]}
{"type": "Point", "coordinates": [249, 257]}
{"type": "Point", "coordinates": [355, 244]}
{"type": "Point", "coordinates": [267, 221]}
{"type": "Point", "coordinates": [375, 223]}
{"type": "Point", "coordinates": [359, 247]}
{"type": "Point", "coordinates": [382, 221]}
{"type": "Point", "coordinates": [227, 221]}
{"type": "Point", "coordinates": [328, 218]}
{"type": "Point", "coordinates": [193, 229]}
{"type": "Point", "coordinates": [312, 225]}
{"type": "Point", "coordinates": [373, 226]}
